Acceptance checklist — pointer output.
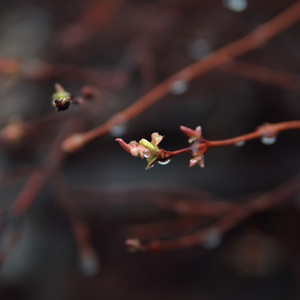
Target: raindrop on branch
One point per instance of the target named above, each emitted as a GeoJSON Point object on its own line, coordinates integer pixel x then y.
{"type": "Point", "coordinates": [147, 153]}
{"type": "Point", "coordinates": [212, 241]}
{"type": "Point", "coordinates": [118, 130]}
{"type": "Point", "coordinates": [236, 5]}
{"type": "Point", "coordinates": [89, 264]}
{"type": "Point", "coordinates": [268, 140]}
{"type": "Point", "coordinates": [164, 162]}
{"type": "Point", "coordinates": [240, 144]}
{"type": "Point", "coordinates": [179, 87]}
{"type": "Point", "coordinates": [198, 49]}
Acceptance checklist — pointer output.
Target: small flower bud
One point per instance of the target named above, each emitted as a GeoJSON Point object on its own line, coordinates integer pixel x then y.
{"type": "Point", "coordinates": [147, 144]}
{"type": "Point", "coordinates": [192, 134]}
{"type": "Point", "coordinates": [61, 99]}
{"type": "Point", "coordinates": [144, 148]}
{"type": "Point", "coordinates": [62, 103]}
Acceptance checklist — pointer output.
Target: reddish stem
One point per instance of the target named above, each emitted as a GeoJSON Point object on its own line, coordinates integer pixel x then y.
{"type": "Point", "coordinates": [231, 219]}
{"type": "Point", "coordinates": [267, 130]}
{"type": "Point", "coordinates": [80, 226]}
{"type": "Point", "coordinates": [235, 49]}
{"type": "Point", "coordinates": [262, 74]}
{"type": "Point", "coordinates": [41, 174]}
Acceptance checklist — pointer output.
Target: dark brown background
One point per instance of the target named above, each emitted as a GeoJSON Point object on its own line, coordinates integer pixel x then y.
{"type": "Point", "coordinates": [112, 187]}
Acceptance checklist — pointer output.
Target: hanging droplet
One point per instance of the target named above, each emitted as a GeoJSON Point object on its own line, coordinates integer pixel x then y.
{"type": "Point", "coordinates": [240, 144]}
{"type": "Point", "coordinates": [268, 140]}
{"type": "Point", "coordinates": [179, 87]}
{"type": "Point", "coordinates": [89, 264]}
{"type": "Point", "coordinates": [236, 5]}
{"type": "Point", "coordinates": [213, 240]}
{"type": "Point", "coordinates": [198, 49]}
{"type": "Point", "coordinates": [194, 161]}
{"type": "Point", "coordinates": [147, 153]}
{"type": "Point", "coordinates": [118, 130]}
{"type": "Point", "coordinates": [164, 162]}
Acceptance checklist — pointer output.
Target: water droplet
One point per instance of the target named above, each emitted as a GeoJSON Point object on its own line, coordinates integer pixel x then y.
{"type": "Point", "coordinates": [240, 144]}
{"type": "Point", "coordinates": [118, 130]}
{"type": "Point", "coordinates": [268, 140]}
{"type": "Point", "coordinates": [147, 153]}
{"type": "Point", "coordinates": [236, 5]}
{"type": "Point", "coordinates": [198, 49]}
{"type": "Point", "coordinates": [164, 162]}
{"type": "Point", "coordinates": [179, 87]}
{"type": "Point", "coordinates": [213, 240]}
{"type": "Point", "coordinates": [194, 161]}
{"type": "Point", "coordinates": [89, 264]}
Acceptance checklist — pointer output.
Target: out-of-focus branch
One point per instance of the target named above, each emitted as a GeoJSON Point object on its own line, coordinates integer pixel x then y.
{"type": "Point", "coordinates": [260, 204]}
{"type": "Point", "coordinates": [225, 54]}
{"type": "Point", "coordinates": [88, 257]}
{"type": "Point", "coordinates": [41, 174]}
{"type": "Point", "coordinates": [262, 74]}
{"type": "Point", "coordinates": [96, 16]}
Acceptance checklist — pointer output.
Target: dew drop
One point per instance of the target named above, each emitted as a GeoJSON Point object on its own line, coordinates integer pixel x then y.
{"type": "Point", "coordinates": [147, 153]}
{"type": "Point", "coordinates": [240, 144]}
{"type": "Point", "coordinates": [268, 140]}
{"type": "Point", "coordinates": [179, 87]}
{"type": "Point", "coordinates": [118, 130]}
{"type": "Point", "coordinates": [213, 240]}
{"type": "Point", "coordinates": [198, 49]}
{"type": "Point", "coordinates": [89, 264]}
{"type": "Point", "coordinates": [193, 161]}
{"type": "Point", "coordinates": [164, 162]}
{"type": "Point", "coordinates": [236, 5]}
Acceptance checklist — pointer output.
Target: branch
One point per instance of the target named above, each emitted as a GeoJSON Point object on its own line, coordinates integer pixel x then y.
{"type": "Point", "coordinates": [89, 261]}
{"type": "Point", "coordinates": [199, 146]}
{"type": "Point", "coordinates": [229, 220]}
{"type": "Point", "coordinates": [262, 74]}
{"type": "Point", "coordinates": [41, 174]}
{"type": "Point", "coordinates": [225, 54]}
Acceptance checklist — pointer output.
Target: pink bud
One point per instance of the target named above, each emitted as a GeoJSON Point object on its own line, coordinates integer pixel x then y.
{"type": "Point", "coordinates": [124, 145]}
{"type": "Point", "coordinates": [192, 134]}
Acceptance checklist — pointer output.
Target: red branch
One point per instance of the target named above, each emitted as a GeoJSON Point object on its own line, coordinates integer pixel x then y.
{"type": "Point", "coordinates": [199, 145]}
{"type": "Point", "coordinates": [41, 174]}
{"type": "Point", "coordinates": [262, 74]}
{"type": "Point", "coordinates": [225, 54]}
{"type": "Point", "coordinates": [266, 130]}
{"type": "Point", "coordinates": [231, 219]}
{"type": "Point", "coordinates": [86, 251]}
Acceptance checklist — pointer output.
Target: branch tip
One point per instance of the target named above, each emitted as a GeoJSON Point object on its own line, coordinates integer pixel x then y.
{"type": "Point", "coordinates": [73, 143]}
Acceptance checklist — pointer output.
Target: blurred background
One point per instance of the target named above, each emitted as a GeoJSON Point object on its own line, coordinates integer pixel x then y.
{"type": "Point", "coordinates": [123, 48]}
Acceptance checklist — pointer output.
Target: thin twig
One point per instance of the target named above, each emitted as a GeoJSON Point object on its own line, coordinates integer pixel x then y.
{"type": "Point", "coordinates": [231, 219]}
{"type": "Point", "coordinates": [267, 130]}
{"type": "Point", "coordinates": [225, 54]}
{"type": "Point", "coordinates": [40, 175]}
{"type": "Point", "coordinates": [262, 74]}
{"type": "Point", "coordinates": [80, 226]}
